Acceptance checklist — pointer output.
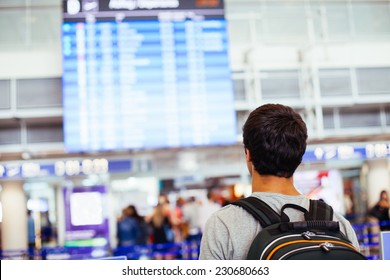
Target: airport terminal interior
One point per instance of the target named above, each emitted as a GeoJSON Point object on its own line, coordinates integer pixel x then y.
{"type": "Point", "coordinates": [118, 108]}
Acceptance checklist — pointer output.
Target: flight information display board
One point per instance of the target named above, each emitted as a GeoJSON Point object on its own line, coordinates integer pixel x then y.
{"type": "Point", "coordinates": [146, 74]}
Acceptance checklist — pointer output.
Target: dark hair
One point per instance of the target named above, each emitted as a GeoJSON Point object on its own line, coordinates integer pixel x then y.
{"type": "Point", "coordinates": [382, 194]}
{"type": "Point", "coordinates": [275, 136]}
{"type": "Point", "coordinates": [135, 212]}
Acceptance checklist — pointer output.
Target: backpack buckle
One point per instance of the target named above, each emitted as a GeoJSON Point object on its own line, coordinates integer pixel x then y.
{"type": "Point", "coordinates": [326, 246]}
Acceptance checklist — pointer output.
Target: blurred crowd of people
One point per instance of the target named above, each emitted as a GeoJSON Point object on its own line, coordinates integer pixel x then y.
{"type": "Point", "coordinates": [183, 221]}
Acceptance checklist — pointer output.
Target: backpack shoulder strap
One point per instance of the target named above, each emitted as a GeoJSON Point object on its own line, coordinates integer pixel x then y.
{"type": "Point", "coordinates": [260, 210]}
{"type": "Point", "coordinates": [319, 210]}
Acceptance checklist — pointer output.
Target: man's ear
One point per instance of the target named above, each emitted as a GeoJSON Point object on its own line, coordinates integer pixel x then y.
{"type": "Point", "coordinates": [248, 155]}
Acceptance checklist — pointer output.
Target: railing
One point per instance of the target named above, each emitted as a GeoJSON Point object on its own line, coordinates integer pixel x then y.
{"type": "Point", "coordinates": [167, 251]}
{"type": "Point", "coordinates": [368, 237]}
{"type": "Point", "coordinates": [22, 254]}
{"type": "Point", "coordinates": [367, 234]}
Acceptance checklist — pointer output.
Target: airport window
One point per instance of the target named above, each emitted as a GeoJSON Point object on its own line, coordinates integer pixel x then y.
{"type": "Point", "coordinates": [359, 117]}
{"type": "Point", "coordinates": [5, 102]}
{"type": "Point", "coordinates": [371, 18]}
{"type": "Point", "coordinates": [335, 82]}
{"type": "Point", "coordinates": [241, 118]}
{"type": "Point", "coordinates": [44, 133]}
{"type": "Point", "coordinates": [328, 119]}
{"type": "Point", "coordinates": [239, 31]}
{"type": "Point", "coordinates": [285, 21]}
{"type": "Point", "coordinates": [260, 30]}
{"type": "Point", "coordinates": [331, 21]}
{"type": "Point", "coordinates": [35, 93]}
{"type": "Point", "coordinates": [317, 12]}
{"type": "Point", "coordinates": [239, 89]}
{"type": "Point", "coordinates": [280, 84]}
{"type": "Point", "coordinates": [33, 23]}
{"type": "Point", "coordinates": [241, 7]}
{"type": "Point", "coordinates": [10, 134]}
{"type": "Point", "coordinates": [45, 28]}
{"type": "Point", "coordinates": [337, 18]}
{"type": "Point", "coordinates": [387, 114]}
{"type": "Point", "coordinates": [373, 80]}
{"type": "Point", "coordinates": [17, 34]}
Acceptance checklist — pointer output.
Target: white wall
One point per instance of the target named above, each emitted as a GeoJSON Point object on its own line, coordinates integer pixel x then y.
{"type": "Point", "coordinates": [40, 63]}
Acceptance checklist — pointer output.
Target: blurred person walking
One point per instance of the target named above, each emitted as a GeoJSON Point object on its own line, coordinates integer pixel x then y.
{"type": "Point", "coordinates": [47, 231]}
{"type": "Point", "coordinates": [207, 209]}
{"type": "Point", "coordinates": [191, 216]}
{"type": "Point", "coordinates": [161, 232]}
{"type": "Point", "coordinates": [31, 235]}
{"type": "Point", "coordinates": [180, 229]}
{"type": "Point", "coordinates": [160, 224]}
{"type": "Point", "coordinates": [380, 211]}
{"type": "Point", "coordinates": [143, 226]}
{"type": "Point", "coordinates": [128, 228]}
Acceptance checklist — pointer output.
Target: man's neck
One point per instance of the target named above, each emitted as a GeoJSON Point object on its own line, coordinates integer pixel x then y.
{"type": "Point", "coordinates": [269, 183]}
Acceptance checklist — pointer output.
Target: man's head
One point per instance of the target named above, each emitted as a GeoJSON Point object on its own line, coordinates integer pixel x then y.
{"type": "Point", "coordinates": [275, 140]}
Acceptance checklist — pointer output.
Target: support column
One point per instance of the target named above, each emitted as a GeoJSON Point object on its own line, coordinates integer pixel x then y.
{"type": "Point", "coordinates": [14, 225]}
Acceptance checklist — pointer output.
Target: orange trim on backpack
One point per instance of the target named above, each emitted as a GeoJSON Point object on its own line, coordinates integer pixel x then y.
{"type": "Point", "coordinates": [307, 241]}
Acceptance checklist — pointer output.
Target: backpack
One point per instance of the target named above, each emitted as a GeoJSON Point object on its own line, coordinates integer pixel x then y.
{"type": "Point", "coordinates": [316, 238]}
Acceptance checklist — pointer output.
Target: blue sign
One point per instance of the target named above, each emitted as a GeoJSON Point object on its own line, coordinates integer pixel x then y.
{"type": "Point", "coordinates": [70, 167]}
{"type": "Point", "coordinates": [76, 167]}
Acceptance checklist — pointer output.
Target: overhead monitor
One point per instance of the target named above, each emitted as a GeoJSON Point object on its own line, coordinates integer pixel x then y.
{"type": "Point", "coordinates": [146, 74]}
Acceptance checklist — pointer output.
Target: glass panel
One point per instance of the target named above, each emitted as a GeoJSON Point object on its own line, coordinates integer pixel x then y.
{"type": "Point", "coordinates": [371, 18]}
{"type": "Point", "coordinates": [17, 34]}
{"type": "Point", "coordinates": [285, 21]}
{"type": "Point", "coordinates": [5, 94]}
{"type": "Point", "coordinates": [332, 18]}
{"type": "Point", "coordinates": [239, 89]}
{"type": "Point", "coordinates": [12, 3]}
{"type": "Point", "coordinates": [9, 135]}
{"type": "Point", "coordinates": [328, 118]}
{"type": "Point", "coordinates": [387, 113]}
{"type": "Point", "coordinates": [373, 80]}
{"type": "Point", "coordinates": [32, 3]}
{"type": "Point", "coordinates": [46, 25]}
{"type": "Point", "coordinates": [44, 133]}
{"type": "Point", "coordinates": [338, 20]}
{"type": "Point", "coordinates": [317, 13]}
{"type": "Point", "coordinates": [355, 117]}
{"type": "Point", "coordinates": [243, 7]}
{"type": "Point", "coordinates": [39, 93]}
{"type": "Point", "coordinates": [281, 84]}
{"type": "Point", "coordinates": [32, 22]}
{"type": "Point", "coordinates": [260, 33]}
{"type": "Point", "coordinates": [336, 82]}
{"type": "Point", "coordinates": [239, 31]}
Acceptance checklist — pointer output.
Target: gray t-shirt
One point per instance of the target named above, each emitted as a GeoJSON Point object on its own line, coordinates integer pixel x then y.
{"type": "Point", "coordinates": [229, 231]}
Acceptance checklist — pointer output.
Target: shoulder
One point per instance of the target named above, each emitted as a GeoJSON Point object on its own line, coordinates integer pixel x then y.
{"type": "Point", "coordinates": [230, 220]}
{"type": "Point", "coordinates": [228, 234]}
{"type": "Point", "coordinates": [229, 213]}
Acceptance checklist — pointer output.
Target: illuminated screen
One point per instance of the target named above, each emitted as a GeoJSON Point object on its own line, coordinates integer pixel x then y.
{"type": "Point", "coordinates": [146, 74]}
{"type": "Point", "coordinates": [86, 221]}
{"type": "Point", "coordinates": [86, 208]}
